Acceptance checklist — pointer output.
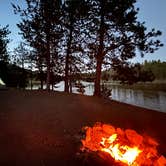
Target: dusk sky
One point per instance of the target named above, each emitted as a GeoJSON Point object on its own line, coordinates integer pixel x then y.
{"type": "Point", "coordinates": [153, 12]}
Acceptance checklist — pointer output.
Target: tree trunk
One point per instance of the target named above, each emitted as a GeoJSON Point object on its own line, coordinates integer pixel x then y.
{"type": "Point", "coordinates": [67, 63]}
{"type": "Point", "coordinates": [31, 85]}
{"type": "Point", "coordinates": [70, 85]}
{"type": "Point", "coordinates": [67, 72]}
{"type": "Point", "coordinates": [48, 68]}
{"type": "Point", "coordinates": [41, 84]}
{"type": "Point", "coordinates": [97, 91]}
{"type": "Point", "coordinates": [100, 55]}
{"type": "Point", "coordinates": [48, 61]}
{"type": "Point", "coordinates": [41, 78]}
{"type": "Point", "coordinates": [31, 80]}
{"type": "Point", "coordinates": [70, 80]}
{"type": "Point", "coordinates": [52, 86]}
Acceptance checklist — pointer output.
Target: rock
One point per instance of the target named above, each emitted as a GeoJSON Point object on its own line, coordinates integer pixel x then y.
{"type": "Point", "coordinates": [108, 129]}
{"type": "Point", "coordinates": [134, 137]}
{"type": "Point", "coordinates": [161, 161]}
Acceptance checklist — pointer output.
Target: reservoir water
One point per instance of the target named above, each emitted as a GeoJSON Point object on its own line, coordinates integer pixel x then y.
{"type": "Point", "coordinates": [155, 100]}
{"type": "Point", "coordinates": [151, 99]}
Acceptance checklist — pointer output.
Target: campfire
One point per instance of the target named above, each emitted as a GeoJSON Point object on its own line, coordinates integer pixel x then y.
{"type": "Point", "coordinates": [126, 147]}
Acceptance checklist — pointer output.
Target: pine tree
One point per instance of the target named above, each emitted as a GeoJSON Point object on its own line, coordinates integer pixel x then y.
{"type": "Point", "coordinates": [4, 57]}
{"type": "Point", "coordinates": [115, 34]}
{"type": "Point", "coordinates": [4, 32]}
{"type": "Point", "coordinates": [39, 26]}
{"type": "Point", "coordinates": [74, 12]}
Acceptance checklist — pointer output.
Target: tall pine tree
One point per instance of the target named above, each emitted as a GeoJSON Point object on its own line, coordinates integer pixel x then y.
{"type": "Point", "coordinates": [74, 11]}
{"type": "Point", "coordinates": [115, 34]}
{"type": "Point", "coordinates": [40, 28]}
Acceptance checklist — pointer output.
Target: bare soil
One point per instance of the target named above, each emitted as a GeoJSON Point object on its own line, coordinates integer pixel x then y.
{"type": "Point", "coordinates": [38, 128]}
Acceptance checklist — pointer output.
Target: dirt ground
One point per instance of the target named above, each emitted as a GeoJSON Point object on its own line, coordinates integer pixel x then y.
{"type": "Point", "coordinates": [38, 128]}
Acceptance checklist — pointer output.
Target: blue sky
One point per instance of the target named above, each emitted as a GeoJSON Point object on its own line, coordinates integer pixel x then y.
{"type": "Point", "coordinates": [153, 12]}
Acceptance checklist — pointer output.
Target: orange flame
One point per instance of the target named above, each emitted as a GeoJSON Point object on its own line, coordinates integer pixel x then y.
{"type": "Point", "coordinates": [124, 154]}
{"type": "Point", "coordinates": [125, 146]}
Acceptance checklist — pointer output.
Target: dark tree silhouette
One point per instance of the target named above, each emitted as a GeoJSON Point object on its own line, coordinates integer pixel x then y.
{"type": "Point", "coordinates": [157, 68]}
{"type": "Point", "coordinates": [4, 32]}
{"type": "Point", "coordinates": [107, 30]}
{"type": "Point", "coordinates": [24, 57]}
{"type": "Point", "coordinates": [40, 27]}
{"type": "Point", "coordinates": [4, 57]}
{"type": "Point", "coordinates": [20, 55]}
{"type": "Point", "coordinates": [133, 73]}
{"type": "Point", "coordinates": [73, 13]}
{"type": "Point", "coordinates": [115, 34]}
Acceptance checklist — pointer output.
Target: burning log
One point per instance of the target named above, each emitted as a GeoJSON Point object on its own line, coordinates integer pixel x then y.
{"type": "Point", "coordinates": [123, 147]}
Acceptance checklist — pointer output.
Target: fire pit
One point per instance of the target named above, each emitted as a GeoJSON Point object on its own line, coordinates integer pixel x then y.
{"type": "Point", "coordinates": [125, 147]}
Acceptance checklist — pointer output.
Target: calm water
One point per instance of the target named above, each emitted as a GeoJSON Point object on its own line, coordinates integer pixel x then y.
{"type": "Point", "coordinates": [144, 98]}
{"type": "Point", "coordinates": [155, 100]}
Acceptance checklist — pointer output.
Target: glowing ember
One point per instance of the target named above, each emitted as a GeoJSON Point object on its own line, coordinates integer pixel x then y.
{"type": "Point", "coordinates": [125, 146]}
{"type": "Point", "coordinates": [125, 154]}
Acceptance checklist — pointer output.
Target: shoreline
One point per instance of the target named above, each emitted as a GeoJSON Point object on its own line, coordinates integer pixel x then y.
{"type": "Point", "coordinates": [39, 126]}
{"type": "Point", "coordinates": [134, 105]}
{"type": "Point", "coordinates": [149, 97]}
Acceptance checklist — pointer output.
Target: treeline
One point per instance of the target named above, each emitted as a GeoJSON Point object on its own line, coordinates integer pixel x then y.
{"type": "Point", "coordinates": [18, 77]}
{"type": "Point", "coordinates": [69, 37]}
{"type": "Point", "coordinates": [14, 76]}
{"type": "Point", "coordinates": [140, 72]}
{"type": "Point", "coordinates": [158, 68]}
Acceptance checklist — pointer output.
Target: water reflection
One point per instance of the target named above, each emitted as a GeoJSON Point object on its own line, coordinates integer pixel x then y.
{"type": "Point", "coordinates": [144, 98]}
{"type": "Point", "coordinates": [148, 99]}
